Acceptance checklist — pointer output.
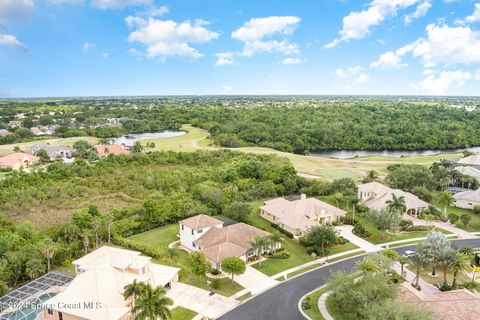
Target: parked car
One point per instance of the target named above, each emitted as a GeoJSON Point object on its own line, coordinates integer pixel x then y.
{"type": "Point", "coordinates": [409, 254]}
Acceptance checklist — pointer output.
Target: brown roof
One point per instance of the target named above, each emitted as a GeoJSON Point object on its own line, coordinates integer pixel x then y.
{"type": "Point", "coordinates": [200, 221]}
{"type": "Point", "coordinates": [224, 250]}
{"type": "Point", "coordinates": [239, 234]}
{"type": "Point", "coordinates": [15, 159]}
{"type": "Point", "coordinates": [115, 149]}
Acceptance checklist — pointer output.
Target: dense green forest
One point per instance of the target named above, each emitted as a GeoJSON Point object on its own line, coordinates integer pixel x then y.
{"type": "Point", "coordinates": [293, 124]}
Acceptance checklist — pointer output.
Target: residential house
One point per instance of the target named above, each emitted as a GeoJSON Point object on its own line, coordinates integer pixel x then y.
{"type": "Point", "coordinates": [216, 241]}
{"type": "Point", "coordinates": [297, 216]}
{"type": "Point", "coordinates": [43, 130]}
{"type": "Point", "coordinates": [469, 171]}
{"type": "Point", "coordinates": [96, 293]}
{"type": "Point", "coordinates": [14, 123]}
{"type": "Point", "coordinates": [467, 199]}
{"type": "Point", "coordinates": [104, 150]}
{"type": "Point", "coordinates": [18, 160]}
{"type": "Point", "coordinates": [5, 133]}
{"type": "Point", "coordinates": [53, 152]}
{"type": "Point", "coordinates": [376, 196]}
{"type": "Point", "coordinates": [471, 161]}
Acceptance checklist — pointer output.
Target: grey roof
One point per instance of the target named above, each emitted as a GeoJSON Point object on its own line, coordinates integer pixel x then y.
{"type": "Point", "coordinates": [52, 151]}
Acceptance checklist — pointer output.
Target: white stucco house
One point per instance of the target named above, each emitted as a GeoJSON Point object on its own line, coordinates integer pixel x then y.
{"type": "Point", "coordinates": [467, 199]}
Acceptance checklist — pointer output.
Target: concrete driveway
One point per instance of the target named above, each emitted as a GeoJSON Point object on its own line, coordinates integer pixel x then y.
{"type": "Point", "coordinates": [346, 232]}
{"type": "Point", "coordinates": [443, 225]}
{"type": "Point", "coordinates": [254, 280]}
{"type": "Point", "coordinates": [200, 301]}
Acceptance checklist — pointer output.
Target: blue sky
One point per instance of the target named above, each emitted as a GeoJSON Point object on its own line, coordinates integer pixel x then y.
{"type": "Point", "coordinates": [152, 47]}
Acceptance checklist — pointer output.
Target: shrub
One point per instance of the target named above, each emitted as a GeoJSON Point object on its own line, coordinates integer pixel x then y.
{"type": "Point", "coordinates": [306, 303]}
{"type": "Point", "coordinates": [476, 209]}
{"type": "Point", "coordinates": [361, 208]}
{"type": "Point", "coordinates": [215, 283]}
{"type": "Point", "coordinates": [452, 217]}
{"type": "Point", "coordinates": [214, 271]}
{"type": "Point", "coordinates": [405, 225]}
{"type": "Point", "coordinates": [423, 193]}
{"type": "Point", "coordinates": [285, 232]}
{"type": "Point", "coordinates": [360, 230]}
{"type": "Point", "coordinates": [350, 221]}
{"type": "Point", "coordinates": [341, 240]}
{"type": "Point", "coordinates": [420, 228]}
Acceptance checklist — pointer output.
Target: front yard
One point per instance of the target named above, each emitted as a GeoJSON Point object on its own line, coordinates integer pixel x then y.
{"type": "Point", "coordinates": [473, 226]}
{"type": "Point", "coordinates": [180, 313]}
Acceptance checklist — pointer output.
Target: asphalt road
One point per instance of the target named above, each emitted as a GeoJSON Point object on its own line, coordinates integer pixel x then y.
{"type": "Point", "coordinates": [281, 302]}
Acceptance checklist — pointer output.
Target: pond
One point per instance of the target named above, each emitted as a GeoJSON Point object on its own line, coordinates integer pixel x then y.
{"type": "Point", "coordinates": [130, 138]}
{"type": "Point", "coordinates": [348, 154]}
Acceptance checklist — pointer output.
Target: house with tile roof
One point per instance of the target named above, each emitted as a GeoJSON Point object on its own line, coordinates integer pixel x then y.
{"type": "Point", "coordinates": [104, 150]}
{"type": "Point", "coordinates": [469, 171]}
{"type": "Point", "coordinates": [297, 216]}
{"type": "Point", "coordinates": [467, 199]}
{"type": "Point", "coordinates": [216, 241]}
{"type": "Point", "coordinates": [18, 160]}
{"type": "Point", "coordinates": [376, 196]}
{"type": "Point", "coordinates": [471, 161]}
{"type": "Point", "coordinates": [96, 293]}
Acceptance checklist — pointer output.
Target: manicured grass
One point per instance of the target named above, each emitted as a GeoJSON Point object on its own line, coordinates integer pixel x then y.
{"type": "Point", "coordinates": [414, 159]}
{"type": "Point", "coordinates": [473, 226]}
{"type": "Point", "coordinates": [245, 296]}
{"type": "Point", "coordinates": [353, 254]}
{"type": "Point", "coordinates": [314, 312]}
{"type": "Point", "coordinates": [338, 173]}
{"type": "Point", "coordinates": [336, 313]}
{"type": "Point", "coordinates": [180, 313]}
{"type": "Point", "coordinates": [25, 146]}
{"type": "Point", "coordinates": [160, 238]}
{"type": "Point", "coordinates": [188, 142]}
{"type": "Point", "coordinates": [438, 279]}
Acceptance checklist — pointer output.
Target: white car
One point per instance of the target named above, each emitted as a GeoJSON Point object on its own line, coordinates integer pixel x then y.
{"type": "Point", "coordinates": [409, 254]}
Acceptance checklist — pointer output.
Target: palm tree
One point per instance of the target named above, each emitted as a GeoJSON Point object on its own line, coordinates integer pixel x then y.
{"type": "Point", "coordinates": [275, 238]}
{"type": "Point", "coordinates": [419, 262]}
{"type": "Point", "coordinates": [152, 304]}
{"type": "Point", "coordinates": [396, 204]}
{"type": "Point", "coordinates": [461, 263]}
{"type": "Point", "coordinates": [109, 221]}
{"type": "Point", "coordinates": [446, 200]}
{"type": "Point", "coordinates": [133, 289]}
{"type": "Point", "coordinates": [172, 254]}
{"type": "Point", "coordinates": [96, 223]}
{"type": "Point", "coordinates": [71, 233]}
{"type": "Point", "coordinates": [34, 268]}
{"type": "Point", "coordinates": [48, 249]}
{"type": "Point", "coordinates": [371, 176]}
{"type": "Point", "coordinates": [258, 246]}
{"type": "Point", "coordinates": [86, 241]}
{"type": "Point", "coordinates": [446, 260]}
{"type": "Point", "coordinates": [403, 261]}
{"type": "Point", "coordinates": [367, 266]}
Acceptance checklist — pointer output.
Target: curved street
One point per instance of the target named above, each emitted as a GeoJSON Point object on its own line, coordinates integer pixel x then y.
{"type": "Point", "coordinates": [281, 302]}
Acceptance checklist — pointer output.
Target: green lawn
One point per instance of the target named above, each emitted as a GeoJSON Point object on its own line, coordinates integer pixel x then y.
{"type": "Point", "coordinates": [338, 173]}
{"type": "Point", "coordinates": [245, 296]}
{"type": "Point", "coordinates": [473, 226]}
{"type": "Point", "coordinates": [180, 313]}
{"type": "Point", "coordinates": [159, 239]}
{"type": "Point", "coordinates": [336, 313]}
{"type": "Point", "coordinates": [313, 312]}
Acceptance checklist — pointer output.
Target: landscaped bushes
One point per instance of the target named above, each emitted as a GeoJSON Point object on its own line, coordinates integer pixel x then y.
{"type": "Point", "coordinates": [360, 230]}
{"type": "Point", "coordinates": [285, 232]}
{"type": "Point", "coordinates": [280, 254]}
{"type": "Point", "coordinates": [118, 240]}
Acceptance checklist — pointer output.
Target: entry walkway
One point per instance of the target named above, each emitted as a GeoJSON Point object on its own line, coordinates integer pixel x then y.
{"type": "Point", "coordinates": [200, 301]}
{"type": "Point", "coordinates": [254, 280]}
{"type": "Point", "coordinates": [346, 232]}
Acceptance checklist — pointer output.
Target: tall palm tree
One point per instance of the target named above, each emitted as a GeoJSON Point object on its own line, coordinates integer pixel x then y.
{"type": "Point", "coordinates": [396, 204]}
{"type": "Point", "coordinates": [275, 238]}
{"type": "Point", "coordinates": [152, 304]}
{"type": "Point", "coordinates": [403, 261]}
{"type": "Point", "coordinates": [367, 265]}
{"type": "Point", "coordinates": [34, 268]}
{"type": "Point", "coordinates": [461, 263]}
{"type": "Point", "coordinates": [133, 289]}
{"type": "Point", "coordinates": [96, 223]}
{"type": "Point", "coordinates": [258, 246]}
{"type": "Point", "coordinates": [419, 262]}
{"type": "Point", "coordinates": [446, 200]}
{"type": "Point", "coordinates": [172, 255]}
{"type": "Point", "coordinates": [446, 260]}
{"type": "Point", "coordinates": [48, 248]}
{"type": "Point", "coordinates": [109, 221]}
{"type": "Point", "coordinates": [86, 241]}
{"type": "Point", "coordinates": [71, 233]}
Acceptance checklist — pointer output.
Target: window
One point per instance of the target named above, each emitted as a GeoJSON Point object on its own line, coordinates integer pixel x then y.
{"type": "Point", "coordinates": [193, 244]}
{"type": "Point", "coordinates": [143, 270]}
{"type": "Point", "coordinates": [60, 316]}
{"type": "Point", "coordinates": [199, 231]}
{"type": "Point", "coordinates": [192, 231]}
{"type": "Point", "coordinates": [50, 311]}
{"type": "Point", "coordinates": [182, 227]}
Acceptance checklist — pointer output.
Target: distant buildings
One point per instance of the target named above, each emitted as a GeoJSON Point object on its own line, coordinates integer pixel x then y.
{"type": "Point", "coordinates": [115, 149]}
{"type": "Point", "coordinates": [298, 216]}
{"type": "Point", "coordinates": [208, 235]}
{"type": "Point", "coordinates": [376, 195]}
{"type": "Point", "coordinates": [471, 161]}
{"type": "Point", "coordinates": [96, 293]}
{"type": "Point", "coordinates": [5, 133]}
{"type": "Point", "coordinates": [53, 152]}
{"type": "Point", "coordinates": [18, 160]}
{"type": "Point", "coordinates": [469, 171]}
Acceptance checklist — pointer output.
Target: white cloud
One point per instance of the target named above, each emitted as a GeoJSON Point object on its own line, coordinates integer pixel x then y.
{"type": "Point", "coordinates": [226, 88]}
{"type": "Point", "coordinates": [224, 58]}
{"type": "Point", "coordinates": [443, 45]}
{"type": "Point", "coordinates": [12, 42]}
{"type": "Point", "coordinates": [164, 38]}
{"type": "Point", "coordinates": [446, 79]}
{"type": "Point", "coordinates": [341, 74]}
{"type": "Point", "coordinates": [105, 55]}
{"type": "Point", "coordinates": [421, 11]}
{"type": "Point", "coordinates": [363, 78]}
{"type": "Point", "coordinates": [346, 73]}
{"type": "Point", "coordinates": [59, 2]}
{"type": "Point", "coordinates": [391, 59]}
{"type": "Point", "coordinates": [292, 61]}
{"type": "Point", "coordinates": [254, 32]}
{"type": "Point", "coordinates": [475, 17]}
{"type": "Point", "coordinates": [16, 9]}
{"type": "Point", "coordinates": [87, 46]}
{"type": "Point", "coordinates": [357, 24]}
{"type": "Point", "coordinates": [118, 4]}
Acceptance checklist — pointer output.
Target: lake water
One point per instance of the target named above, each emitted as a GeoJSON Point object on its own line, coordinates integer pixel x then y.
{"type": "Point", "coordinates": [348, 154]}
{"type": "Point", "coordinates": [130, 139]}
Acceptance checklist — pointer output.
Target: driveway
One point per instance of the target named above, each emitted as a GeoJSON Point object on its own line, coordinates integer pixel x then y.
{"type": "Point", "coordinates": [255, 281]}
{"type": "Point", "coordinates": [281, 302]}
{"type": "Point", "coordinates": [200, 301]}
{"type": "Point", "coordinates": [346, 232]}
{"type": "Point", "coordinates": [443, 225]}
